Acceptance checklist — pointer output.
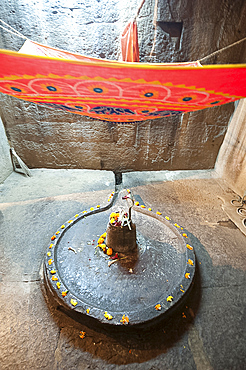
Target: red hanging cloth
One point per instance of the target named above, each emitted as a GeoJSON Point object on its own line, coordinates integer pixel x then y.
{"type": "Point", "coordinates": [129, 43]}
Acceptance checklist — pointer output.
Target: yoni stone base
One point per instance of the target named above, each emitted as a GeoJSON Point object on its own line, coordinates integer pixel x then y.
{"type": "Point", "coordinates": [121, 238]}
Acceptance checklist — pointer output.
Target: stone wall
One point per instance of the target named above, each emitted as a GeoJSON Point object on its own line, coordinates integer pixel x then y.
{"type": "Point", "coordinates": [231, 163]}
{"type": "Point", "coordinates": [5, 161]}
{"type": "Point", "coordinates": [187, 30]}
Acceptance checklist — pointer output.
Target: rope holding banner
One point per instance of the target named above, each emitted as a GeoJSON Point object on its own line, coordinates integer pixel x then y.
{"type": "Point", "coordinates": [220, 50]}
{"type": "Point", "coordinates": [16, 33]}
{"type": "Point", "coordinates": [140, 7]}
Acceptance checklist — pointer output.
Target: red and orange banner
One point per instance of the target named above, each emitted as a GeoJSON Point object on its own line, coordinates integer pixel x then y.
{"type": "Point", "coordinates": [116, 91]}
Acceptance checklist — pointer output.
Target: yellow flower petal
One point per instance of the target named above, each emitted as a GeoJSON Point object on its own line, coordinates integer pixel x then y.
{"type": "Point", "coordinates": [50, 261]}
{"type": "Point", "coordinates": [58, 285]}
{"type": "Point", "coordinates": [158, 307]}
{"type": "Point", "coordinates": [189, 247]}
{"type": "Point", "coordinates": [54, 278]}
{"type": "Point", "coordinates": [77, 215]}
{"type": "Point", "coordinates": [88, 310]}
{"type": "Point", "coordinates": [53, 271]}
{"type": "Point", "coordinates": [48, 254]}
{"type": "Point", "coordinates": [149, 209]}
{"type": "Point", "coordinates": [167, 218]}
{"type": "Point", "coordinates": [51, 245]}
{"type": "Point", "coordinates": [158, 213]}
{"type": "Point", "coordinates": [91, 209]}
{"type": "Point", "coordinates": [108, 316]}
{"type": "Point", "coordinates": [102, 246]}
{"type": "Point", "coordinates": [169, 298]}
{"type": "Point", "coordinates": [185, 235]}
{"type": "Point", "coordinates": [73, 302]}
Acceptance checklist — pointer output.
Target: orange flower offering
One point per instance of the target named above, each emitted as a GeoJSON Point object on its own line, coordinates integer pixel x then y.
{"type": "Point", "coordinates": [62, 226]}
{"type": "Point", "coordinates": [158, 213]}
{"type": "Point", "coordinates": [53, 237]}
{"type": "Point", "coordinates": [64, 293]}
{"type": "Point", "coordinates": [142, 206]}
{"type": "Point", "coordinates": [88, 310]}
{"type": "Point", "coordinates": [187, 275]}
{"type": "Point", "coordinates": [190, 262]}
{"type": "Point", "coordinates": [53, 271]}
{"type": "Point", "coordinates": [125, 320]}
{"type": "Point", "coordinates": [158, 307]}
{"type": "Point", "coordinates": [136, 203]}
{"type": "Point", "coordinates": [50, 261]}
{"type": "Point", "coordinates": [54, 278]}
{"type": "Point", "coordinates": [82, 334]}
{"type": "Point", "coordinates": [58, 232]}
{"type": "Point", "coordinates": [51, 245]}
{"type": "Point", "coordinates": [185, 235]}
{"type": "Point", "coordinates": [109, 251]}
{"type": "Point", "coordinates": [58, 285]}
{"type": "Point", "coordinates": [189, 247]}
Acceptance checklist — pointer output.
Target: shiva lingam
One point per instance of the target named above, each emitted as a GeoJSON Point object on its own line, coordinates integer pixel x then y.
{"type": "Point", "coordinates": [121, 231]}
{"type": "Point", "coordinates": [131, 274]}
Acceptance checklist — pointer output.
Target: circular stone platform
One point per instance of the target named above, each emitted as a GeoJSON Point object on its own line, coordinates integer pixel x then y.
{"type": "Point", "coordinates": [82, 278]}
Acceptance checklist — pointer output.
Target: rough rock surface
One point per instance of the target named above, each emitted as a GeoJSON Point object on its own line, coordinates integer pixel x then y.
{"type": "Point", "coordinates": [186, 31]}
{"type": "Point", "coordinates": [231, 162]}
{"type": "Point", "coordinates": [5, 161]}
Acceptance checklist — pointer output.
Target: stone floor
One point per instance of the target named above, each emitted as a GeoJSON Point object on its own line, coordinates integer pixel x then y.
{"type": "Point", "coordinates": [207, 332]}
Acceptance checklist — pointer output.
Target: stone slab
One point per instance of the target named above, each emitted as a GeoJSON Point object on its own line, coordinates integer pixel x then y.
{"type": "Point", "coordinates": [207, 331]}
